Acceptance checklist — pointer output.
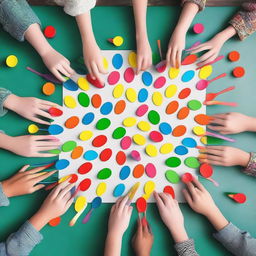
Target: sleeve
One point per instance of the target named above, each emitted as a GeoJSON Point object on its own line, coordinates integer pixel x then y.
{"type": "Point", "coordinates": [186, 248]}
{"type": "Point", "coordinates": [4, 201]}
{"type": "Point", "coordinates": [238, 242]}
{"type": "Point", "coordinates": [251, 167]}
{"type": "Point", "coordinates": [4, 93]}
{"type": "Point", "coordinates": [76, 7]}
{"type": "Point", "coordinates": [200, 3]}
{"type": "Point", "coordinates": [244, 21]}
{"type": "Point", "coordinates": [16, 16]}
{"type": "Point", "coordinates": [22, 242]}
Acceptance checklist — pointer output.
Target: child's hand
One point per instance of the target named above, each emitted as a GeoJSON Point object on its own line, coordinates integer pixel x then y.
{"type": "Point", "coordinates": [175, 48]}
{"type": "Point", "coordinates": [224, 155]}
{"type": "Point", "coordinates": [144, 55]}
{"type": "Point", "coordinates": [57, 64]}
{"type": "Point", "coordinates": [231, 123]}
{"type": "Point", "coordinates": [55, 205]}
{"type": "Point", "coordinates": [30, 108]}
{"type": "Point", "coordinates": [171, 215]}
{"type": "Point", "coordinates": [143, 239]}
{"type": "Point", "coordinates": [119, 218]}
{"type": "Point", "coordinates": [25, 182]}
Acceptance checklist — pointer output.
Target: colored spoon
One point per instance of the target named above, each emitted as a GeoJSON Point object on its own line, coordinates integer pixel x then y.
{"type": "Point", "coordinates": [212, 62]}
{"type": "Point", "coordinates": [48, 77]}
{"type": "Point", "coordinates": [80, 206]}
{"type": "Point", "coordinates": [83, 186]}
{"type": "Point", "coordinates": [203, 84]}
{"type": "Point", "coordinates": [212, 96]}
{"type": "Point", "coordinates": [53, 129]}
{"type": "Point", "coordinates": [96, 203]}
{"type": "Point", "coordinates": [223, 103]}
{"type": "Point", "coordinates": [141, 205]}
{"type": "Point", "coordinates": [132, 192]}
{"type": "Point", "coordinates": [206, 171]}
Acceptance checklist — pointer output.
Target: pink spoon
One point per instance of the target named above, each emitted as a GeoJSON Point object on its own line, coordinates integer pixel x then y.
{"type": "Point", "coordinates": [211, 62]}
{"type": "Point", "coordinates": [223, 103]}
{"type": "Point", "coordinates": [212, 96]}
{"type": "Point", "coordinates": [203, 84]}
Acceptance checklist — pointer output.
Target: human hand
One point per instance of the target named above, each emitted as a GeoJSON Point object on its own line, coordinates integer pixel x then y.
{"type": "Point", "coordinates": [232, 123]}
{"type": "Point", "coordinates": [32, 146]}
{"type": "Point", "coordinates": [119, 218]}
{"type": "Point", "coordinates": [30, 108]}
{"type": "Point", "coordinates": [142, 240]}
{"type": "Point", "coordinates": [171, 215]}
{"type": "Point", "coordinates": [25, 182]}
{"type": "Point", "coordinates": [55, 205]}
{"type": "Point", "coordinates": [57, 64]}
{"type": "Point", "coordinates": [144, 55]}
{"type": "Point", "coordinates": [224, 155]}
{"type": "Point", "coordinates": [175, 48]}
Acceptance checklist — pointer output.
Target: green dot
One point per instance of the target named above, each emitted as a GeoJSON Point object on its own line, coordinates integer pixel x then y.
{"type": "Point", "coordinates": [119, 133]}
{"type": "Point", "coordinates": [191, 162]}
{"type": "Point", "coordinates": [214, 141]}
{"type": "Point", "coordinates": [172, 176]}
{"type": "Point", "coordinates": [68, 146]}
{"type": "Point", "coordinates": [156, 58]}
{"type": "Point", "coordinates": [103, 124]}
{"type": "Point", "coordinates": [83, 99]}
{"type": "Point", "coordinates": [104, 173]}
{"type": "Point", "coordinates": [173, 161]}
{"type": "Point", "coordinates": [153, 117]}
{"type": "Point", "coordinates": [194, 104]}
{"type": "Point", "coordinates": [54, 151]}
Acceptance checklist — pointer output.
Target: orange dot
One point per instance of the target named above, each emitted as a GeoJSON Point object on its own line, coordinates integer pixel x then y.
{"type": "Point", "coordinates": [120, 107]}
{"type": "Point", "coordinates": [138, 171]}
{"type": "Point", "coordinates": [184, 93]}
{"type": "Point", "coordinates": [72, 122]}
{"type": "Point", "coordinates": [77, 152]}
{"type": "Point", "coordinates": [203, 119]}
{"type": "Point", "coordinates": [179, 130]}
{"type": "Point", "coordinates": [234, 56]}
{"type": "Point", "coordinates": [48, 88]}
{"type": "Point", "coordinates": [54, 222]}
{"type": "Point", "coordinates": [238, 72]}
{"type": "Point", "coordinates": [183, 113]}
{"type": "Point", "coordinates": [172, 107]}
{"type": "Point", "coordinates": [96, 100]}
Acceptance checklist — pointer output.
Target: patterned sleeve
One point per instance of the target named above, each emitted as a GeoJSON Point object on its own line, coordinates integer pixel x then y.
{"type": "Point", "coordinates": [251, 167]}
{"type": "Point", "coordinates": [4, 93]}
{"type": "Point", "coordinates": [244, 21]}
{"type": "Point", "coordinates": [200, 3]}
{"type": "Point", "coordinates": [186, 248]}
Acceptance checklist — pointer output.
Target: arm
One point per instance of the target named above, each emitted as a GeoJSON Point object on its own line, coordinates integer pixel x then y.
{"type": "Point", "coordinates": [4, 201]}
{"type": "Point", "coordinates": [4, 93]}
{"type": "Point", "coordinates": [144, 53]}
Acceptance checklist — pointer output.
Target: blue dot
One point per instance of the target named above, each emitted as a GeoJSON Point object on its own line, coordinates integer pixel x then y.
{"type": "Point", "coordinates": [181, 150]}
{"type": "Point", "coordinates": [119, 190]}
{"type": "Point", "coordinates": [143, 95]}
{"type": "Point", "coordinates": [147, 78]}
{"type": "Point", "coordinates": [189, 142]}
{"type": "Point", "coordinates": [106, 108]}
{"type": "Point", "coordinates": [90, 155]}
{"type": "Point", "coordinates": [88, 118]}
{"type": "Point", "coordinates": [96, 202]}
{"type": "Point", "coordinates": [188, 75]}
{"type": "Point", "coordinates": [61, 164]}
{"type": "Point", "coordinates": [165, 128]}
{"type": "Point", "coordinates": [117, 61]}
{"type": "Point", "coordinates": [124, 172]}
{"type": "Point", "coordinates": [55, 129]}
{"type": "Point", "coordinates": [70, 85]}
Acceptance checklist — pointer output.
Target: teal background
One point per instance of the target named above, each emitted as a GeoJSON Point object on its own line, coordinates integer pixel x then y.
{"type": "Point", "coordinates": [107, 22]}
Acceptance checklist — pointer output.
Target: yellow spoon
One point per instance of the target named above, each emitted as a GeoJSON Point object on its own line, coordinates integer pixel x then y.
{"type": "Point", "coordinates": [80, 205]}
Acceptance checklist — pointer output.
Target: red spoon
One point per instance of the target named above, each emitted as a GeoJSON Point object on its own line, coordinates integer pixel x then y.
{"type": "Point", "coordinates": [203, 84]}
{"type": "Point", "coordinates": [141, 205]}
{"type": "Point", "coordinates": [212, 62]}
{"type": "Point", "coordinates": [212, 96]}
{"type": "Point", "coordinates": [206, 171]}
{"type": "Point", "coordinates": [83, 186]}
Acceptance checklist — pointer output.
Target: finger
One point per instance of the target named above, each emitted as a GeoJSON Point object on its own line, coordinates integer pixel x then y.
{"type": "Point", "coordinates": [36, 179]}
{"type": "Point", "coordinates": [139, 63]}
{"type": "Point", "coordinates": [63, 71]}
{"type": "Point", "coordinates": [221, 148]}
{"type": "Point", "coordinates": [219, 121]}
{"type": "Point", "coordinates": [123, 202]}
{"type": "Point", "coordinates": [200, 49]}
{"type": "Point", "coordinates": [165, 198]}
{"type": "Point", "coordinates": [49, 143]}
{"type": "Point", "coordinates": [38, 187]}
{"type": "Point", "coordinates": [101, 68]}
{"type": "Point", "coordinates": [206, 62]}
{"type": "Point", "coordinates": [119, 201]}
{"type": "Point", "coordinates": [191, 189]}
{"type": "Point", "coordinates": [49, 103]}
{"type": "Point", "coordinates": [66, 190]}
{"type": "Point", "coordinates": [44, 155]}
{"type": "Point", "coordinates": [43, 113]}
{"type": "Point", "coordinates": [205, 56]}
{"type": "Point", "coordinates": [179, 53]}
{"type": "Point", "coordinates": [215, 162]}
{"type": "Point", "coordinates": [96, 72]}
{"type": "Point", "coordinates": [58, 188]}
{"type": "Point", "coordinates": [36, 170]}
{"type": "Point", "coordinates": [69, 203]}
{"type": "Point", "coordinates": [220, 116]}
{"type": "Point", "coordinates": [173, 58]}
{"type": "Point", "coordinates": [216, 128]}
{"type": "Point", "coordinates": [144, 65]}
{"type": "Point", "coordinates": [68, 68]}
{"type": "Point", "coordinates": [45, 138]}
{"type": "Point", "coordinates": [187, 196]}
{"type": "Point", "coordinates": [39, 121]}
{"type": "Point", "coordinates": [214, 151]}
{"type": "Point", "coordinates": [145, 227]}
{"type": "Point", "coordinates": [139, 230]}
{"type": "Point", "coordinates": [113, 208]}
{"type": "Point", "coordinates": [58, 75]}
{"type": "Point", "coordinates": [24, 168]}
{"type": "Point", "coordinates": [159, 202]}
{"type": "Point", "coordinates": [168, 57]}
{"type": "Point", "coordinates": [45, 149]}
{"type": "Point", "coordinates": [198, 184]}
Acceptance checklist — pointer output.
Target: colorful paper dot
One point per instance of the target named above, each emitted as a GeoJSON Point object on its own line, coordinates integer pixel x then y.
{"type": "Point", "coordinates": [83, 84]}
{"type": "Point", "coordinates": [96, 100]}
{"type": "Point", "coordinates": [172, 176]}
{"type": "Point", "coordinates": [169, 190]}
{"type": "Point", "coordinates": [205, 72]}
{"type": "Point", "coordinates": [170, 91]}
{"type": "Point", "coordinates": [106, 108]}
{"type": "Point", "coordinates": [103, 124]}
{"type": "Point", "coordinates": [48, 89]}
{"type": "Point", "coordinates": [183, 113]}
{"type": "Point", "coordinates": [189, 142]}
{"type": "Point", "coordinates": [72, 122]}
{"type": "Point", "coordinates": [198, 28]}
{"type": "Point", "coordinates": [135, 155]}
{"type": "Point", "coordinates": [190, 59]}
{"type": "Point", "coordinates": [120, 107]}
{"type": "Point", "coordinates": [173, 162]}
{"type": "Point", "coordinates": [118, 91]}
{"type": "Point", "coordinates": [68, 146]}
{"type": "Point", "coordinates": [184, 93]}
{"type": "Point", "coordinates": [104, 174]}
{"type": "Point", "coordinates": [192, 162]}
{"type": "Point", "coordinates": [11, 61]}
{"type": "Point", "coordinates": [165, 128]}
{"type": "Point", "coordinates": [118, 133]}
{"type": "Point", "coordinates": [131, 95]}
{"type": "Point", "coordinates": [166, 148]}
{"type": "Point", "coordinates": [99, 141]}
{"type": "Point", "coordinates": [173, 72]}
{"type": "Point", "coordinates": [150, 170]}
{"type": "Point", "coordinates": [188, 76]}
{"type": "Point", "coordinates": [132, 59]}
{"type": "Point", "coordinates": [139, 139]}
{"type": "Point", "coordinates": [85, 168]}
{"type": "Point", "coordinates": [61, 164]}
{"type": "Point", "coordinates": [119, 190]}
{"type": "Point", "coordinates": [157, 98]}
{"type": "Point", "coordinates": [83, 99]}
{"type": "Point", "coordinates": [117, 61]}
{"type": "Point", "coordinates": [179, 131]}
{"type": "Point", "coordinates": [151, 150]}
{"type": "Point", "coordinates": [172, 107]}
{"type": "Point", "coordinates": [55, 112]}
{"type": "Point", "coordinates": [147, 78]}
{"type": "Point", "coordinates": [159, 82]}
{"type": "Point", "coordinates": [77, 152]}
{"type": "Point", "coordinates": [70, 85]}
{"type": "Point", "coordinates": [144, 126]}
{"type": "Point", "coordinates": [120, 158]}
{"type": "Point", "coordinates": [85, 184]}
{"type": "Point", "coordinates": [101, 189]}
{"type": "Point", "coordinates": [49, 31]}
{"type": "Point", "coordinates": [181, 150]}
{"type": "Point", "coordinates": [156, 136]}
{"type": "Point", "coordinates": [85, 135]}
{"type": "Point", "coordinates": [69, 101]}
{"type": "Point", "coordinates": [153, 117]}
{"type": "Point", "coordinates": [129, 75]}
{"type": "Point", "coordinates": [126, 142]}
{"type": "Point", "coordinates": [113, 77]}
{"type": "Point", "coordinates": [90, 155]}
{"type": "Point", "coordinates": [55, 129]}
{"type": "Point", "coordinates": [129, 121]}
{"type": "Point", "coordinates": [142, 95]}
{"type": "Point", "coordinates": [187, 177]}
{"type": "Point", "coordinates": [142, 110]}
{"type": "Point", "coordinates": [124, 172]}
{"type": "Point", "coordinates": [105, 154]}
{"type": "Point", "coordinates": [194, 105]}
{"type": "Point", "coordinates": [88, 118]}
{"type": "Point", "coordinates": [138, 171]}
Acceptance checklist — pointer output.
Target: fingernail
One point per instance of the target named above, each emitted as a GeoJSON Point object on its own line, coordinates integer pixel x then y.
{"type": "Point", "coordinates": [202, 150]}
{"type": "Point", "coordinates": [202, 156]}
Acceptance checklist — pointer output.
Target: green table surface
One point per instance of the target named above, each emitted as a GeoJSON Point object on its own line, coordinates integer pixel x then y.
{"type": "Point", "coordinates": [107, 22]}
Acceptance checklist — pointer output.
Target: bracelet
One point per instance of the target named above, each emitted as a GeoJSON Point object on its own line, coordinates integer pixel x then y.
{"type": "Point", "coordinates": [251, 167]}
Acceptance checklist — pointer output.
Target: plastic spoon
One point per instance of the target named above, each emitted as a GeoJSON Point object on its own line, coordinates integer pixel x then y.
{"type": "Point", "coordinates": [141, 205]}
{"type": "Point", "coordinates": [132, 193]}
{"type": "Point", "coordinates": [206, 171]}
{"type": "Point", "coordinates": [203, 84]}
{"type": "Point", "coordinates": [96, 203]}
{"type": "Point", "coordinates": [83, 186]}
{"type": "Point", "coordinates": [48, 77]}
{"type": "Point", "coordinates": [223, 103]}
{"type": "Point", "coordinates": [80, 205]}
{"type": "Point", "coordinates": [212, 62]}
{"type": "Point", "coordinates": [193, 46]}
{"type": "Point", "coordinates": [212, 96]}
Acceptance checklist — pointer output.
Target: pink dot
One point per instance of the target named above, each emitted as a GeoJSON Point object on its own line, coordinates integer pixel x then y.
{"type": "Point", "coordinates": [113, 77]}
{"type": "Point", "coordinates": [142, 110]}
{"type": "Point", "coordinates": [129, 75]}
{"type": "Point", "coordinates": [198, 28]}
{"type": "Point", "coordinates": [160, 82]}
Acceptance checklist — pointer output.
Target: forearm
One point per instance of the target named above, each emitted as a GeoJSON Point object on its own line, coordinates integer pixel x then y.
{"type": "Point", "coordinates": [179, 234]}
{"type": "Point", "coordinates": [113, 245]}
{"type": "Point", "coordinates": [6, 142]}
{"type": "Point", "coordinates": [38, 221]}
{"type": "Point", "coordinates": [227, 33]}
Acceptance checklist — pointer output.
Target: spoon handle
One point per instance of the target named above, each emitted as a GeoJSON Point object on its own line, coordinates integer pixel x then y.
{"type": "Point", "coordinates": [87, 216]}
{"type": "Point", "coordinates": [34, 71]}
{"type": "Point", "coordinates": [218, 77]}
{"type": "Point", "coordinates": [232, 104]}
{"type": "Point", "coordinates": [226, 90]}
{"type": "Point", "coordinates": [212, 62]}
{"type": "Point", "coordinates": [219, 136]}
{"type": "Point", "coordinates": [215, 183]}
{"type": "Point", "coordinates": [75, 218]}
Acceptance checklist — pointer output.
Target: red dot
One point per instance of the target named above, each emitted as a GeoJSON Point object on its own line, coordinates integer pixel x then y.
{"type": "Point", "coordinates": [105, 154]}
{"type": "Point", "coordinates": [85, 168]}
{"type": "Point", "coordinates": [49, 32]}
{"type": "Point", "coordinates": [238, 72]}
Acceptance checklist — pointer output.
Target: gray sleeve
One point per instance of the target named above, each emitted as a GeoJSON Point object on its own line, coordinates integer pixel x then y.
{"type": "Point", "coordinates": [236, 241]}
{"type": "Point", "coordinates": [4, 93]}
{"type": "Point", "coordinates": [4, 201]}
{"type": "Point", "coordinates": [16, 16]}
{"type": "Point", "coordinates": [22, 242]}
{"type": "Point", "coordinates": [186, 248]}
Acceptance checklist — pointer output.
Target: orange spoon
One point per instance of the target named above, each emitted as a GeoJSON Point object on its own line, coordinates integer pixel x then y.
{"type": "Point", "coordinates": [212, 96]}
{"type": "Point", "coordinates": [203, 119]}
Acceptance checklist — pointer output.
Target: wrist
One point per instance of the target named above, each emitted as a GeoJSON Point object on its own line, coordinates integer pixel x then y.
{"type": "Point", "coordinates": [6, 189]}
{"type": "Point", "coordinates": [39, 220]}
{"type": "Point", "coordinates": [6, 142]}
{"type": "Point", "coordinates": [217, 219]}
{"type": "Point", "coordinates": [251, 127]}
{"type": "Point", "coordinates": [179, 234]}
{"type": "Point", "coordinates": [116, 235]}
{"type": "Point", "coordinates": [11, 102]}
{"type": "Point", "coordinates": [226, 34]}
{"type": "Point", "coordinates": [244, 159]}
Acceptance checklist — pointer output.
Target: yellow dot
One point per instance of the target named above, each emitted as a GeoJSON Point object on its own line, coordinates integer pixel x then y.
{"type": "Point", "coordinates": [166, 148]}
{"type": "Point", "coordinates": [105, 63]}
{"type": "Point", "coordinates": [139, 139]}
{"type": "Point", "coordinates": [101, 189]}
{"type": "Point", "coordinates": [144, 126]}
{"type": "Point", "coordinates": [205, 72]}
{"type": "Point", "coordinates": [118, 91]}
{"type": "Point", "coordinates": [151, 150]}
{"type": "Point", "coordinates": [85, 135]}
{"type": "Point", "coordinates": [70, 102]}
{"type": "Point", "coordinates": [64, 178]}
{"type": "Point", "coordinates": [204, 140]}
{"type": "Point", "coordinates": [83, 83]}
{"type": "Point", "coordinates": [157, 98]}
{"type": "Point", "coordinates": [149, 187]}
{"type": "Point", "coordinates": [80, 203]}
{"type": "Point", "coordinates": [171, 91]}
{"type": "Point", "coordinates": [131, 95]}
{"type": "Point", "coordinates": [118, 40]}
{"type": "Point", "coordinates": [129, 121]}
{"type": "Point", "coordinates": [11, 61]}
{"type": "Point", "coordinates": [132, 59]}
{"type": "Point", "coordinates": [173, 72]}
{"type": "Point", "coordinates": [198, 130]}
{"type": "Point", "coordinates": [33, 128]}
